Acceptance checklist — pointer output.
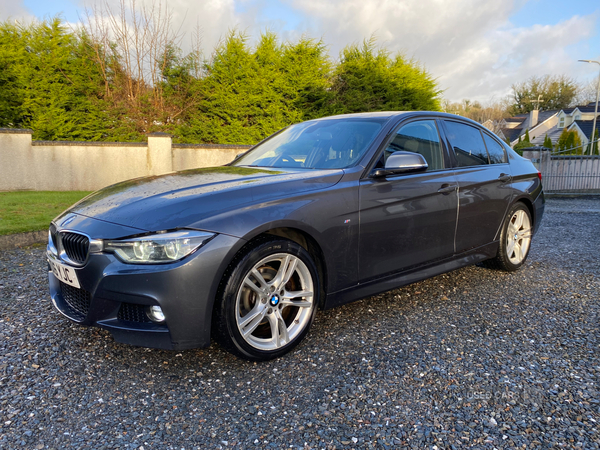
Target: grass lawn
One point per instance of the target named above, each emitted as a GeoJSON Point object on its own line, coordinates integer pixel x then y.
{"type": "Point", "coordinates": [33, 210]}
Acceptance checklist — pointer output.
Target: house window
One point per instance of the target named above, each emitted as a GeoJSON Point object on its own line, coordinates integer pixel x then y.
{"type": "Point", "coordinates": [561, 122]}
{"type": "Point", "coordinates": [578, 117]}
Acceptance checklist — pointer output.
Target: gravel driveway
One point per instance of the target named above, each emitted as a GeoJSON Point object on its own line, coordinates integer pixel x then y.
{"type": "Point", "coordinates": [473, 358]}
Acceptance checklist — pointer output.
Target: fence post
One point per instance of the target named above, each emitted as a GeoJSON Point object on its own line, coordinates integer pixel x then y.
{"type": "Point", "coordinates": [549, 172]}
{"type": "Point", "coordinates": [160, 158]}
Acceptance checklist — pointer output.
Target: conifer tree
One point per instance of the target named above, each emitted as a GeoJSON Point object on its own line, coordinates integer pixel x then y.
{"type": "Point", "coordinates": [569, 142]}
{"type": "Point", "coordinates": [12, 56]}
{"type": "Point", "coordinates": [86, 85]}
{"type": "Point", "coordinates": [370, 79]}
{"type": "Point", "coordinates": [249, 94]}
{"type": "Point", "coordinates": [54, 81]}
{"type": "Point", "coordinates": [547, 142]}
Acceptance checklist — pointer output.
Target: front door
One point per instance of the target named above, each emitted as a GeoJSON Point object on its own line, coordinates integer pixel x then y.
{"type": "Point", "coordinates": [408, 220]}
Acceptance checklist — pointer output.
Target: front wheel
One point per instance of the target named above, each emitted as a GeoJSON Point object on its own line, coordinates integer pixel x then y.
{"type": "Point", "coordinates": [268, 301]}
{"type": "Point", "coordinates": [515, 240]}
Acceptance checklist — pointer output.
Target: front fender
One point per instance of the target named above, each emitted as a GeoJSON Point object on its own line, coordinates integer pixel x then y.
{"type": "Point", "coordinates": [330, 217]}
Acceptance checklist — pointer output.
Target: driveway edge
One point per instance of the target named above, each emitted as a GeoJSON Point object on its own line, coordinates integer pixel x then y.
{"type": "Point", "coordinates": [11, 241]}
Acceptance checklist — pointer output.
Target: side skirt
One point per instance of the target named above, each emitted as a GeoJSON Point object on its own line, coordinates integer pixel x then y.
{"type": "Point", "coordinates": [403, 278]}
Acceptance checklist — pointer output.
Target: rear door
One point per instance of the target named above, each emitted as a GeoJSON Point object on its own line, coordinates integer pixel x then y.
{"type": "Point", "coordinates": [484, 184]}
{"type": "Point", "coordinates": [407, 220]}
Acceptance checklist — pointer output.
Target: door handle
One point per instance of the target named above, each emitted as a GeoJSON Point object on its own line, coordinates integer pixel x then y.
{"type": "Point", "coordinates": [447, 188]}
{"type": "Point", "coordinates": [504, 177]}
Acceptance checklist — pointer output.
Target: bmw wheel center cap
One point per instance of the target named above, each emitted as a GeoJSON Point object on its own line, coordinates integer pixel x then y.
{"type": "Point", "coordinates": [274, 300]}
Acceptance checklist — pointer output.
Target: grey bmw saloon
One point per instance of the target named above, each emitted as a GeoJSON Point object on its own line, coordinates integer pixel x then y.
{"type": "Point", "coordinates": [320, 214]}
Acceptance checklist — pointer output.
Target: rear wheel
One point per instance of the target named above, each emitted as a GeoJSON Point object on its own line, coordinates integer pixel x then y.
{"type": "Point", "coordinates": [268, 301]}
{"type": "Point", "coordinates": [515, 240]}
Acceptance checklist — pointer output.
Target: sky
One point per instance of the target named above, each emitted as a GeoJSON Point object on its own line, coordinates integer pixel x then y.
{"type": "Point", "coordinates": [475, 49]}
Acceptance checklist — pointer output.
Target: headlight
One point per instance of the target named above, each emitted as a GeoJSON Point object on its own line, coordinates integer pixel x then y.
{"type": "Point", "coordinates": [158, 248]}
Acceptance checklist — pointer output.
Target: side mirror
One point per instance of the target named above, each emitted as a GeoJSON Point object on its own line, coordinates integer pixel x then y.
{"type": "Point", "coordinates": [402, 162]}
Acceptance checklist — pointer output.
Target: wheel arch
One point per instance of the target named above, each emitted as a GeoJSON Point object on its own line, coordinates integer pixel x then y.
{"type": "Point", "coordinates": [502, 260]}
{"type": "Point", "coordinates": [529, 204]}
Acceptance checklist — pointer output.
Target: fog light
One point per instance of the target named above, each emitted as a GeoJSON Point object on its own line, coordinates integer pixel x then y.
{"type": "Point", "coordinates": [155, 314]}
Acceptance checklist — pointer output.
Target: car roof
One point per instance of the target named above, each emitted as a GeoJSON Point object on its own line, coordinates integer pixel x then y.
{"type": "Point", "coordinates": [390, 114]}
{"type": "Point", "coordinates": [378, 114]}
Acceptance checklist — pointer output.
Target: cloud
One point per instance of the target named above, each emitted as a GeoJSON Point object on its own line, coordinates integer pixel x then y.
{"type": "Point", "coordinates": [14, 10]}
{"type": "Point", "coordinates": [489, 67]}
{"type": "Point", "coordinates": [470, 46]}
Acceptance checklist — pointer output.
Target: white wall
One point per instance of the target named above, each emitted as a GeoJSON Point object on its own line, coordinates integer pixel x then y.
{"type": "Point", "coordinates": [188, 156]}
{"type": "Point", "coordinates": [88, 166]}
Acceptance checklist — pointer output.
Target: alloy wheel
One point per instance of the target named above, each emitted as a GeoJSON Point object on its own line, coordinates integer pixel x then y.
{"type": "Point", "coordinates": [274, 303]}
{"type": "Point", "coordinates": [518, 237]}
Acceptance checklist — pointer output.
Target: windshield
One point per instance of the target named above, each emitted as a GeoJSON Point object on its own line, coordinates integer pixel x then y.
{"type": "Point", "coordinates": [317, 144]}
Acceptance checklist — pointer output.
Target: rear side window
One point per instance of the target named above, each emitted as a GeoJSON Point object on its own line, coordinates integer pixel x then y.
{"type": "Point", "coordinates": [418, 137]}
{"type": "Point", "coordinates": [495, 150]}
{"type": "Point", "coordinates": [467, 144]}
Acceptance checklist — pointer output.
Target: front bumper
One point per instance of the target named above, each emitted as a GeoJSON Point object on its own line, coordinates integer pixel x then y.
{"type": "Point", "coordinates": [115, 295]}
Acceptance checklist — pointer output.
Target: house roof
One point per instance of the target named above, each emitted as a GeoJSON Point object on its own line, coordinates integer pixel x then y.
{"type": "Point", "coordinates": [542, 117]}
{"type": "Point", "coordinates": [525, 124]}
{"type": "Point", "coordinates": [520, 118]}
{"type": "Point", "coordinates": [512, 133]}
{"type": "Point", "coordinates": [586, 126]}
{"type": "Point", "coordinates": [545, 115]}
{"type": "Point", "coordinates": [587, 109]}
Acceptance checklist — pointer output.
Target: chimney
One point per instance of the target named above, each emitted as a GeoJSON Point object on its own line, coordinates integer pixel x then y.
{"type": "Point", "coordinates": [533, 118]}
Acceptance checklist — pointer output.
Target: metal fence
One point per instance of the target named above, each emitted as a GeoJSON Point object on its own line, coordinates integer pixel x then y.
{"type": "Point", "coordinates": [564, 172]}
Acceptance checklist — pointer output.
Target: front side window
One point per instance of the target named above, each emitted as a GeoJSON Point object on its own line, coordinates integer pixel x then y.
{"type": "Point", "coordinates": [418, 137]}
{"type": "Point", "coordinates": [317, 144]}
{"type": "Point", "coordinates": [467, 144]}
{"type": "Point", "coordinates": [495, 150]}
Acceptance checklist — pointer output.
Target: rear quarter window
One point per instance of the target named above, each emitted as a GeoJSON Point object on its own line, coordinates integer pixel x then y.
{"type": "Point", "coordinates": [495, 150]}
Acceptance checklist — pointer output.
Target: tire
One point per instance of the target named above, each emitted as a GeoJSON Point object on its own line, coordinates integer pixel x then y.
{"type": "Point", "coordinates": [515, 240]}
{"type": "Point", "coordinates": [267, 301]}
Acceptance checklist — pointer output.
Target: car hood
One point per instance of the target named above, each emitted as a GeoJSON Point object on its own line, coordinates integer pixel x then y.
{"type": "Point", "coordinates": [182, 199]}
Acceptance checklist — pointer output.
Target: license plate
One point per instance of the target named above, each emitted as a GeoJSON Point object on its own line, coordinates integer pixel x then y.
{"type": "Point", "coordinates": [64, 273]}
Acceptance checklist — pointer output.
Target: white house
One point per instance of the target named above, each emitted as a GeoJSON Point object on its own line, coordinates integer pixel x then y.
{"type": "Point", "coordinates": [552, 124]}
{"type": "Point", "coordinates": [539, 123]}
{"type": "Point", "coordinates": [580, 119]}
{"type": "Point", "coordinates": [567, 116]}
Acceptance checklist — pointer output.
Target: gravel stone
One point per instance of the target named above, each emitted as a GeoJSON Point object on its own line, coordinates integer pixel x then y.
{"type": "Point", "coordinates": [474, 358]}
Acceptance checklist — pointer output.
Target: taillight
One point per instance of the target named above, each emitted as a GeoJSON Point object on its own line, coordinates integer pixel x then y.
{"type": "Point", "coordinates": [540, 175]}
